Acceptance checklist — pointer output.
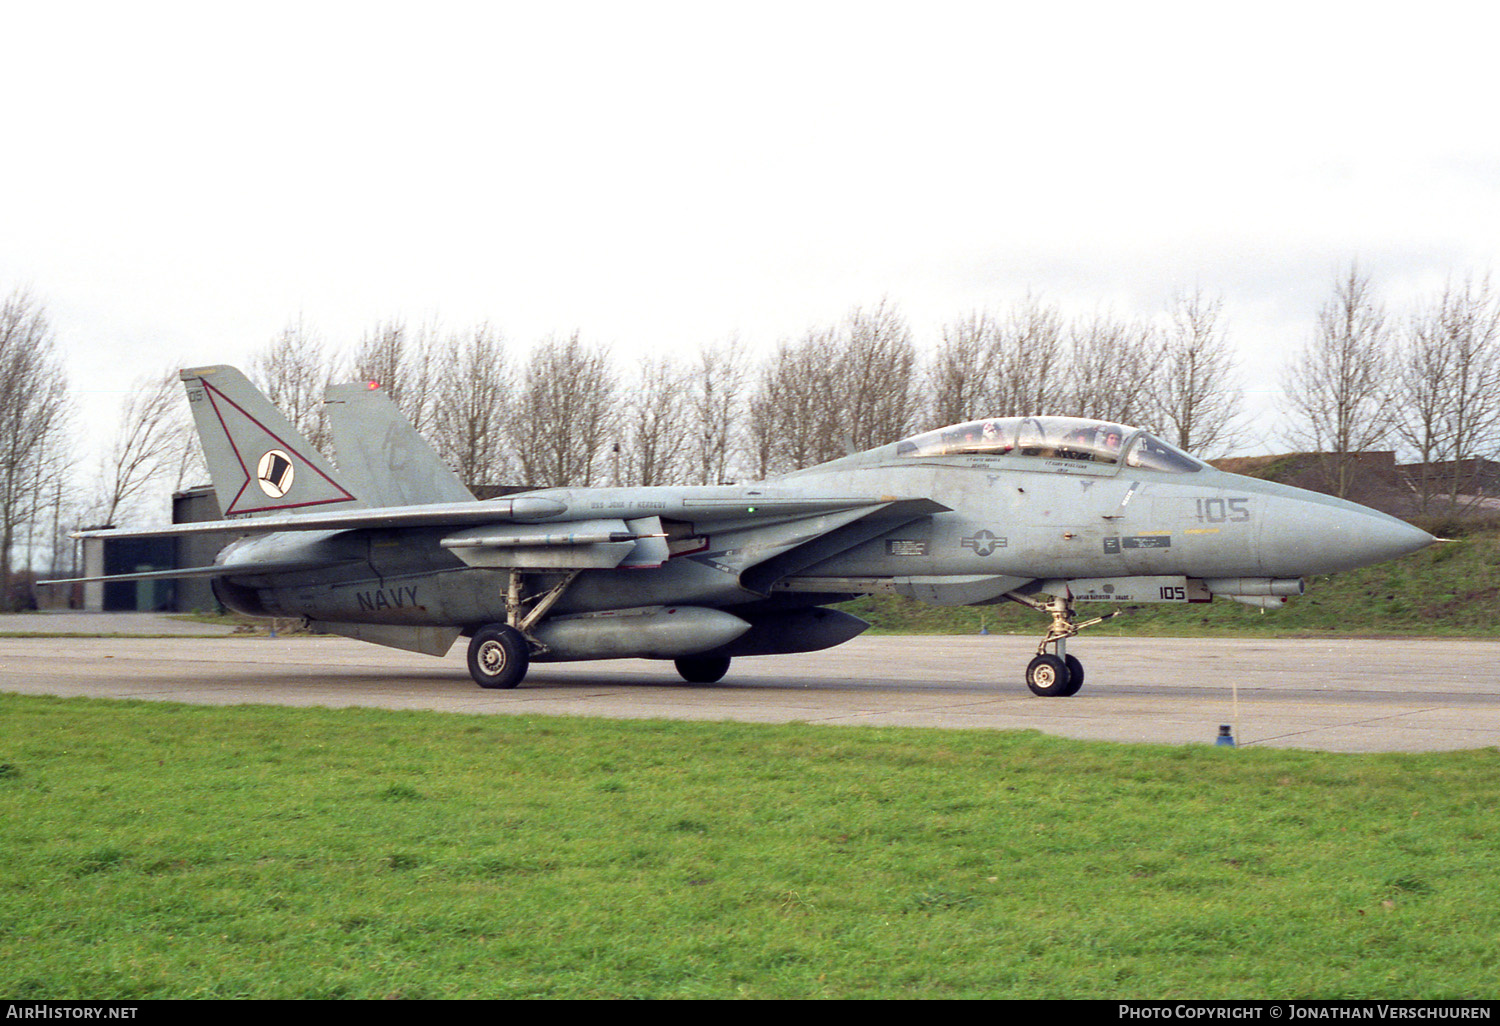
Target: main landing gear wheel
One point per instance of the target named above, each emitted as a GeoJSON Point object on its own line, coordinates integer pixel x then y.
{"type": "Point", "coordinates": [1052, 677]}
{"type": "Point", "coordinates": [702, 669]}
{"type": "Point", "coordinates": [498, 656]}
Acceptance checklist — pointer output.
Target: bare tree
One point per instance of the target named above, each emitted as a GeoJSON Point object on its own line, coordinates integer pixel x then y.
{"type": "Point", "coordinates": [1029, 362]}
{"type": "Point", "coordinates": [652, 446]}
{"type": "Point", "coordinates": [33, 415]}
{"type": "Point", "coordinates": [1111, 367]}
{"type": "Point", "coordinates": [473, 395]}
{"type": "Point", "coordinates": [1338, 387]}
{"type": "Point", "coordinates": [184, 457]}
{"type": "Point", "coordinates": [762, 443]}
{"type": "Point", "coordinates": [566, 402]}
{"type": "Point", "coordinates": [961, 378]}
{"type": "Point", "coordinates": [1029, 370]}
{"type": "Point", "coordinates": [404, 363]}
{"type": "Point", "coordinates": [874, 380]}
{"type": "Point", "coordinates": [59, 501]}
{"type": "Point", "coordinates": [378, 356]}
{"type": "Point", "coordinates": [1196, 395]}
{"type": "Point", "coordinates": [1447, 390]}
{"type": "Point", "coordinates": [793, 411]}
{"type": "Point", "coordinates": [292, 370]}
{"type": "Point", "coordinates": [715, 397]}
{"type": "Point", "coordinates": [145, 445]}
{"type": "Point", "coordinates": [834, 391]}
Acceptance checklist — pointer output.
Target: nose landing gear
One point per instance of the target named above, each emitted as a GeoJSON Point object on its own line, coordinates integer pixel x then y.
{"type": "Point", "coordinates": [1057, 675]}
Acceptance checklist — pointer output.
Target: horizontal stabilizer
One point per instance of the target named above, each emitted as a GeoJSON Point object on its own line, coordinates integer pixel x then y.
{"type": "Point", "coordinates": [445, 515]}
{"type": "Point", "coordinates": [218, 570]}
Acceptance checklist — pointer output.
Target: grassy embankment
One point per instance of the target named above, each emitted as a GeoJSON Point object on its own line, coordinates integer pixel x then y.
{"type": "Point", "coordinates": [152, 850]}
{"type": "Point", "coordinates": [1452, 589]}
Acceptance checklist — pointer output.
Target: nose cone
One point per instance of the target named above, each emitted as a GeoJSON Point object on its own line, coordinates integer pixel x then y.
{"type": "Point", "coordinates": [1325, 536]}
{"type": "Point", "coordinates": [1372, 537]}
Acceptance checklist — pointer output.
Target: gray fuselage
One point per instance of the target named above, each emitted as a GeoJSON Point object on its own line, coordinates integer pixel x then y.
{"type": "Point", "coordinates": [1008, 517]}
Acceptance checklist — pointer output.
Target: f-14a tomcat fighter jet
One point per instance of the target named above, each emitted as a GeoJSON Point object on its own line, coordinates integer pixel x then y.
{"type": "Point", "coordinates": [1047, 511]}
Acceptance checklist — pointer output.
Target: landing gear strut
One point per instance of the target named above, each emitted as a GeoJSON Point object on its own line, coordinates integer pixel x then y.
{"type": "Point", "coordinates": [500, 653]}
{"type": "Point", "coordinates": [1056, 675]}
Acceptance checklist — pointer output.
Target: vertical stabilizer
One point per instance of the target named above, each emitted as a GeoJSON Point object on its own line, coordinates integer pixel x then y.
{"type": "Point", "coordinates": [381, 455]}
{"type": "Point", "coordinates": [259, 463]}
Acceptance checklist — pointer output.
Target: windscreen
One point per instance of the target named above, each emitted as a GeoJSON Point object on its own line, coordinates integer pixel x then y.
{"type": "Point", "coordinates": [1150, 453]}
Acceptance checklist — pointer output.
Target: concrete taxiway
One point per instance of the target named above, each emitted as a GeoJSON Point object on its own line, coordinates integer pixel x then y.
{"type": "Point", "coordinates": [1334, 695]}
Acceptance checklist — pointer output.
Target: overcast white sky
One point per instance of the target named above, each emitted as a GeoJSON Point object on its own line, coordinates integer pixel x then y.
{"type": "Point", "coordinates": [179, 181]}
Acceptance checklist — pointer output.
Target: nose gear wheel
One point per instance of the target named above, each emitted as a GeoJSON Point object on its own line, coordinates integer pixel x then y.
{"type": "Point", "coordinates": [1056, 674]}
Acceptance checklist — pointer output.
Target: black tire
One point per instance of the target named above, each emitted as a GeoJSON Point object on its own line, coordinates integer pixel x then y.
{"type": "Point", "coordinates": [702, 669]}
{"type": "Point", "coordinates": [1048, 676]}
{"type": "Point", "coordinates": [1075, 676]}
{"type": "Point", "coordinates": [498, 656]}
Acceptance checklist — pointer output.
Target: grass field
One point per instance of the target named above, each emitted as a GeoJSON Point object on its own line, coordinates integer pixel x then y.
{"type": "Point", "coordinates": [155, 850]}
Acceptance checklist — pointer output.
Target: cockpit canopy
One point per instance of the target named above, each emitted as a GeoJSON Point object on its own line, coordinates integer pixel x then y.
{"type": "Point", "coordinates": [1053, 438]}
